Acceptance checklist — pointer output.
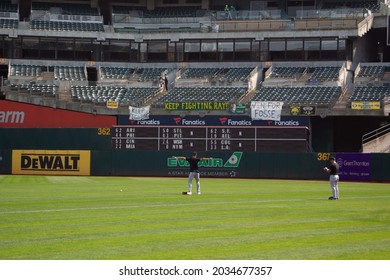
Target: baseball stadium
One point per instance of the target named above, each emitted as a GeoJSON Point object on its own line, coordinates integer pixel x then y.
{"type": "Point", "coordinates": [103, 103]}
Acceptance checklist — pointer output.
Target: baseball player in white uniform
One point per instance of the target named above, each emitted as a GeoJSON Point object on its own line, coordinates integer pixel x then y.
{"type": "Point", "coordinates": [333, 170]}
{"type": "Point", "coordinates": [194, 171]}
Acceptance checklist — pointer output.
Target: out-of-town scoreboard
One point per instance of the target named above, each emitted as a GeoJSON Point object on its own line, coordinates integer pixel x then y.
{"type": "Point", "coordinates": [210, 138]}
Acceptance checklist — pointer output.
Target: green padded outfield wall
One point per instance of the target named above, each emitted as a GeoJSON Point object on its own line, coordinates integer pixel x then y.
{"type": "Point", "coordinates": [55, 138]}
{"type": "Point", "coordinates": [222, 164]}
{"type": "Point", "coordinates": [380, 167]}
{"type": "Point", "coordinates": [229, 164]}
{"type": "Point", "coordinates": [106, 161]}
{"type": "Point", "coordinates": [94, 139]}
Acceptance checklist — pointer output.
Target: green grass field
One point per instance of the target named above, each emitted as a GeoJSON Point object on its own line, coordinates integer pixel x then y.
{"type": "Point", "coordinates": [77, 218]}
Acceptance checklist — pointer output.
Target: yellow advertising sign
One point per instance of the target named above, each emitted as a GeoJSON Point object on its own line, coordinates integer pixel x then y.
{"type": "Point", "coordinates": [366, 105]}
{"type": "Point", "coordinates": [112, 104]}
{"type": "Point", "coordinates": [51, 162]}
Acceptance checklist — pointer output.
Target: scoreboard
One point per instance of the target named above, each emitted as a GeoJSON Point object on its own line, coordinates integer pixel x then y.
{"type": "Point", "coordinates": [210, 138]}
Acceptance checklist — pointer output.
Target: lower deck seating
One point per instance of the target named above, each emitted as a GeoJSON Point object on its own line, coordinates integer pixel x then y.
{"type": "Point", "coordinates": [123, 95]}
{"type": "Point", "coordinates": [200, 94]}
{"type": "Point", "coordinates": [370, 93]}
{"type": "Point", "coordinates": [38, 89]}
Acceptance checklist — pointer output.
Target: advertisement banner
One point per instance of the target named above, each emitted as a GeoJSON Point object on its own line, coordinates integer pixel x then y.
{"type": "Point", "coordinates": [112, 104]}
{"type": "Point", "coordinates": [365, 105]}
{"type": "Point", "coordinates": [196, 106]}
{"type": "Point", "coordinates": [23, 115]}
{"type": "Point", "coordinates": [297, 110]}
{"type": "Point", "coordinates": [51, 162]}
{"type": "Point", "coordinates": [237, 108]}
{"type": "Point", "coordinates": [210, 120]}
{"type": "Point", "coordinates": [214, 167]}
{"type": "Point", "coordinates": [354, 166]}
{"type": "Point", "coordinates": [266, 110]}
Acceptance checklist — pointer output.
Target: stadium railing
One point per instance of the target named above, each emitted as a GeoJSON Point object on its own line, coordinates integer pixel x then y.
{"type": "Point", "coordinates": [377, 141]}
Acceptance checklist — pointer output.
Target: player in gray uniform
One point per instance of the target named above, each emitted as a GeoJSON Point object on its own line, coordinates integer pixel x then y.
{"type": "Point", "coordinates": [333, 170]}
{"type": "Point", "coordinates": [194, 171]}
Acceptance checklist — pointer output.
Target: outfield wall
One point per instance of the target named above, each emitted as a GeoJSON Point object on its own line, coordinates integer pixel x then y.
{"type": "Point", "coordinates": [227, 165]}
{"type": "Point", "coordinates": [87, 151]}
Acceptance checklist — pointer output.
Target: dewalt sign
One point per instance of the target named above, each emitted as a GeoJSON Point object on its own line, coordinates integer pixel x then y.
{"type": "Point", "coordinates": [51, 162]}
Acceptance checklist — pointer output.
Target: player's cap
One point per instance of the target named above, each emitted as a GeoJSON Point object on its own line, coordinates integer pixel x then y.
{"type": "Point", "coordinates": [194, 153]}
{"type": "Point", "coordinates": [332, 158]}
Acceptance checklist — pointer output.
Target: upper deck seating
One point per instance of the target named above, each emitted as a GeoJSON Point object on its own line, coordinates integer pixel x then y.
{"type": "Point", "coordinates": [66, 8]}
{"type": "Point", "coordinates": [237, 74]}
{"type": "Point", "coordinates": [8, 7]}
{"type": "Point", "coordinates": [117, 73]}
{"type": "Point", "coordinates": [298, 95]}
{"type": "Point", "coordinates": [199, 73]}
{"type": "Point", "coordinates": [286, 72]}
{"type": "Point", "coordinates": [160, 12]}
{"type": "Point", "coordinates": [324, 74]}
{"type": "Point", "coordinates": [373, 71]}
{"type": "Point", "coordinates": [66, 26]}
{"type": "Point", "coordinates": [150, 74]}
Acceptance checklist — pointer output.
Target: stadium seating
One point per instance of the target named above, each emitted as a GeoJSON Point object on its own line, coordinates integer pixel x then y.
{"type": "Point", "coordinates": [371, 71]}
{"type": "Point", "coordinates": [139, 74]}
{"type": "Point", "coordinates": [67, 8]}
{"type": "Point", "coordinates": [150, 74]}
{"type": "Point", "coordinates": [49, 90]}
{"type": "Point", "coordinates": [286, 72]}
{"type": "Point", "coordinates": [199, 73]}
{"type": "Point", "coordinates": [66, 26]}
{"type": "Point", "coordinates": [215, 80]}
{"type": "Point", "coordinates": [324, 74]}
{"type": "Point", "coordinates": [64, 73]}
{"type": "Point", "coordinates": [173, 12]}
{"type": "Point", "coordinates": [236, 74]}
{"type": "Point", "coordinates": [102, 94]}
{"type": "Point", "coordinates": [223, 74]}
{"type": "Point", "coordinates": [21, 70]}
{"type": "Point", "coordinates": [370, 93]}
{"type": "Point", "coordinates": [117, 73]}
{"type": "Point", "coordinates": [6, 23]}
{"type": "Point", "coordinates": [298, 95]}
{"type": "Point", "coordinates": [65, 17]}
{"type": "Point", "coordinates": [161, 12]}
{"type": "Point", "coordinates": [194, 94]}
{"type": "Point", "coordinates": [8, 7]}
{"type": "Point", "coordinates": [70, 73]}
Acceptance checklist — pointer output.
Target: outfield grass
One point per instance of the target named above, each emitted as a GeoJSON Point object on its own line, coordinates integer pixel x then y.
{"type": "Point", "coordinates": [77, 218]}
